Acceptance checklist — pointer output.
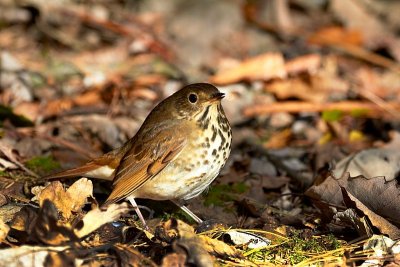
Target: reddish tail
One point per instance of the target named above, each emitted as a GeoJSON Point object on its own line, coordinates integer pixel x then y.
{"type": "Point", "coordinates": [74, 173]}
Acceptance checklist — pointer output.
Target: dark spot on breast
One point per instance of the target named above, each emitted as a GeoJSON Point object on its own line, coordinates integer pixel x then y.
{"type": "Point", "coordinates": [206, 162]}
{"type": "Point", "coordinates": [205, 114]}
{"type": "Point", "coordinates": [204, 120]}
{"type": "Point", "coordinates": [214, 152]}
{"type": "Point", "coordinates": [223, 139]}
{"type": "Point", "coordinates": [221, 146]}
{"type": "Point", "coordinates": [214, 135]}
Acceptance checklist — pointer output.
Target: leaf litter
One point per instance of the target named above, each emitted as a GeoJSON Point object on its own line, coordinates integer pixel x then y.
{"type": "Point", "coordinates": [312, 90]}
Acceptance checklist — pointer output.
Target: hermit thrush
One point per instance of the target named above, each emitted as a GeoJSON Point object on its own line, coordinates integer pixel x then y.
{"type": "Point", "coordinates": [176, 154]}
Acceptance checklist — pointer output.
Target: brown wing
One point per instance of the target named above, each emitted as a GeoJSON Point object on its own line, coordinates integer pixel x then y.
{"type": "Point", "coordinates": [145, 160]}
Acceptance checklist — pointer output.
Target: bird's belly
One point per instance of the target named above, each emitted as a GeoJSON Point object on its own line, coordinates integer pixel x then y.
{"type": "Point", "coordinates": [173, 183]}
{"type": "Point", "coordinates": [192, 171]}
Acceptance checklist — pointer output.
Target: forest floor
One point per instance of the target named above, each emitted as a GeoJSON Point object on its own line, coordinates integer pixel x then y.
{"type": "Point", "coordinates": [312, 93]}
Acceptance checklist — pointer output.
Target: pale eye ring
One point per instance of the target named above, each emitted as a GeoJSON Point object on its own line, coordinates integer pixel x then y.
{"type": "Point", "coordinates": [192, 98]}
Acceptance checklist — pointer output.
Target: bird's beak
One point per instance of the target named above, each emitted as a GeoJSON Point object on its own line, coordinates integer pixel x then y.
{"type": "Point", "coordinates": [216, 97]}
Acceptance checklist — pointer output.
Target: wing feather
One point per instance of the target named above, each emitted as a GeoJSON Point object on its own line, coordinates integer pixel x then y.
{"type": "Point", "coordinates": [144, 161]}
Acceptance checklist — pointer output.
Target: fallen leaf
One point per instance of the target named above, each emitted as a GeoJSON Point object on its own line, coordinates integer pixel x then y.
{"type": "Point", "coordinates": [56, 193]}
{"type": "Point", "coordinates": [371, 163]}
{"type": "Point", "coordinates": [262, 67]}
{"type": "Point", "coordinates": [174, 259]}
{"type": "Point", "coordinates": [279, 139]}
{"type": "Point", "coordinates": [196, 247]}
{"type": "Point", "coordinates": [8, 211]}
{"type": "Point", "coordinates": [297, 88]}
{"type": "Point", "coordinates": [128, 255]}
{"type": "Point", "coordinates": [350, 217]}
{"type": "Point", "coordinates": [29, 110]}
{"type": "Point", "coordinates": [79, 192]}
{"type": "Point", "coordinates": [4, 228]}
{"type": "Point", "coordinates": [377, 194]}
{"type": "Point", "coordinates": [87, 99]}
{"type": "Point", "coordinates": [336, 35]}
{"type": "Point", "coordinates": [377, 221]}
{"type": "Point", "coordinates": [27, 256]}
{"type": "Point", "coordinates": [96, 218]}
{"type": "Point", "coordinates": [67, 201]}
{"type": "Point", "coordinates": [307, 63]}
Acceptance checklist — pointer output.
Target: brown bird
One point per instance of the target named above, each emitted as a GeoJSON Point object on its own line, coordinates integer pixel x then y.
{"type": "Point", "coordinates": [176, 154]}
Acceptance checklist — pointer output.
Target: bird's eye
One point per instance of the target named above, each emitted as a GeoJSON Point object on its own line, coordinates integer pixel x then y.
{"type": "Point", "coordinates": [192, 98]}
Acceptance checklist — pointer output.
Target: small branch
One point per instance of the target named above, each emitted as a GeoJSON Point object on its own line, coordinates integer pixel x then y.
{"type": "Point", "coordinates": [298, 106]}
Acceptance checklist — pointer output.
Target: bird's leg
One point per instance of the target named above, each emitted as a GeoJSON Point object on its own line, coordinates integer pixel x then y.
{"type": "Point", "coordinates": [188, 211]}
{"type": "Point", "coordinates": [137, 210]}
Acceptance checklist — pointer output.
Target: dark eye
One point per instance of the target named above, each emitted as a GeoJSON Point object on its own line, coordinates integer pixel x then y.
{"type": "Point", "coordinates": [192, 98]}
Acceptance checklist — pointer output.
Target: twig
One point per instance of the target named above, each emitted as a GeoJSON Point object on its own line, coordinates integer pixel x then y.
{"type": "Point", "coordinates": [298, 106]}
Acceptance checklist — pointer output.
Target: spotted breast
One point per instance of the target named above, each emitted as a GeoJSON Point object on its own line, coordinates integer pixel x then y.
{"type": "Point", "coordinates": [202, 159]}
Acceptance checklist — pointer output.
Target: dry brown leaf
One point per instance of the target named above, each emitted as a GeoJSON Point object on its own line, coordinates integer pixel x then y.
{"type": "Point", "coordinates": [377, 221]}
{"type": "Point", "coordinates": [57, 106]}
{"type": "Point", "coordinates": [279, 139]}
{"type": "Point", "coordinates": [29, 110]}
{"type": "Point", "coordinates": [79, 192]}
{"type": "Point", "coordinates": [92, 97]}
{"type": "Point", "coordinates": [68, 201]}
{"type": "Point", "coordinates": [185, 241]}
{"type": "Point", "coordinates": [262, 67]}
{"type": "Point", "coordinates": [297, 88]}
{"type": "Point", "coordinates": [307, 63]}
{"type": "Point", "coordinates": [55, 192]}
{"type": "Point", "coordinates": [350, 216]}
{"type": "Point", "coordinates": [336, 35]}
{"type": "Point", "coordinates": [321, 82]}
{"type": "Point", "coordinates": [4, 228]}
{"type": "Point", "coordinates": [327, 191]}
{"type": "Point", "coordinates": [377, 194]}
{"type": "Point", "coordinates": [371, 163]}
{"type": "Point", "coordinates": [7, 212]}
{"type": "Point", "coordinates": [219, 248]}
{"type": "Point", "coordinates": [174, 259]}
{"type": "Point", "coordinates": [128, 255]}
